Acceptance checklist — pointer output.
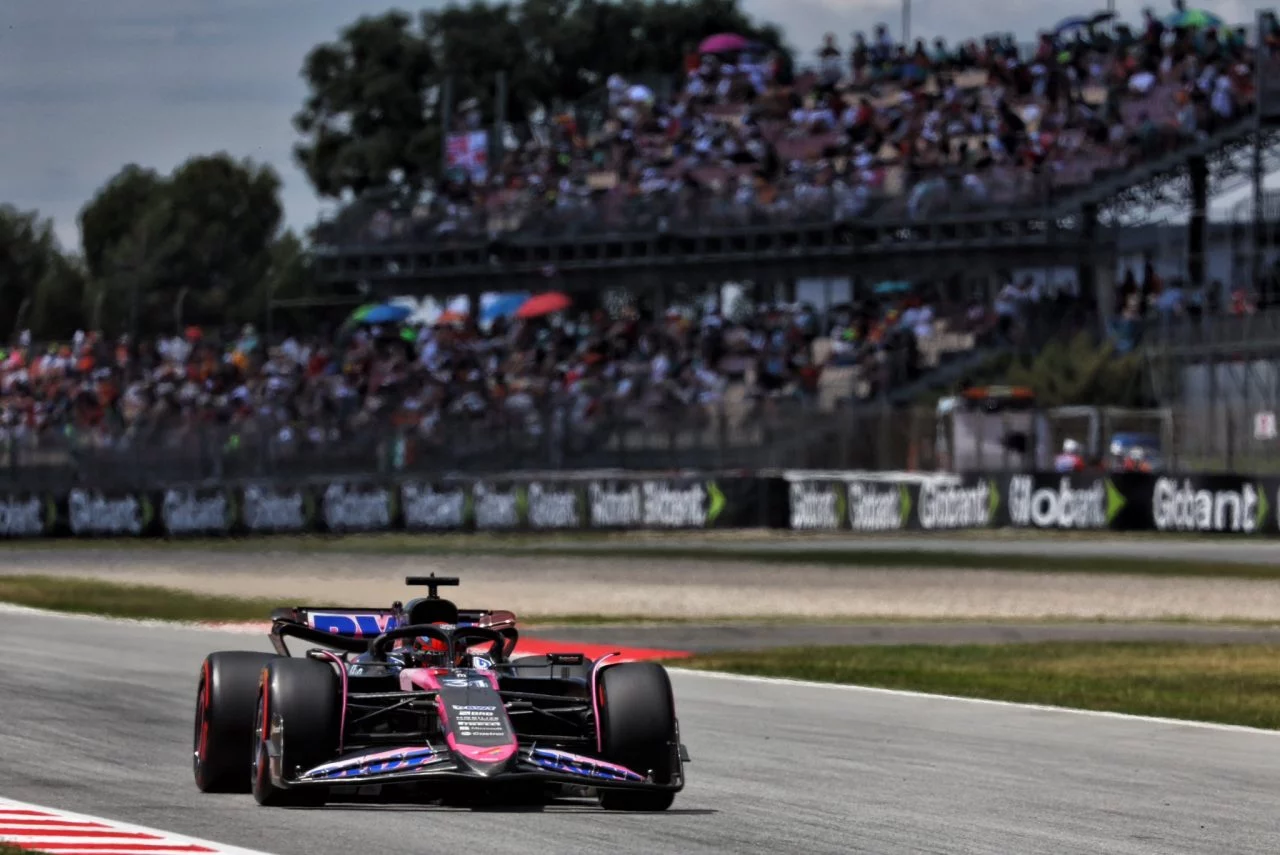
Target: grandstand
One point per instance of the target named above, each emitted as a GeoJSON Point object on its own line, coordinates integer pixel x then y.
{"type": "Point", "coordinates": [969, 196]}
{"type": "Point", "coordinates": [910, 134]}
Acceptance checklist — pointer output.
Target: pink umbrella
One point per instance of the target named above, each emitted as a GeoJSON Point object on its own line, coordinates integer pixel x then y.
{"type": "Point", "coordinates": [723, 43]}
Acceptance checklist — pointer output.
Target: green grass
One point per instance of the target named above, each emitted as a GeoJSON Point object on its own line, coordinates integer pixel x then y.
{"type": "Point", "coordinates": [89, 596]}
{"type": "Point", "coordinates": [861, 552]}
{"type": "Point", "coordinates": [1232, 684]}
{"type": "Point", "coordinates": [6, 849]}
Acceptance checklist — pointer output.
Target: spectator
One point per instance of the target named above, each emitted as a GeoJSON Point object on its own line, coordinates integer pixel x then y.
{"type": "Point", "coordinates": [906, 131]}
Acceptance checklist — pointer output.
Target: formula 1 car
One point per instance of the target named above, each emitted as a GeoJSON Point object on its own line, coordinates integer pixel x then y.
{"type": "Point", "coordinates": [425, 699]}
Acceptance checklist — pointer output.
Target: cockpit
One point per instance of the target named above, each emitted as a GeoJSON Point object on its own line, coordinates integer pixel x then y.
{"type": "Point", "coordinates": [427, 632]}
{"type": "Point", "coordinates": [424, 651]}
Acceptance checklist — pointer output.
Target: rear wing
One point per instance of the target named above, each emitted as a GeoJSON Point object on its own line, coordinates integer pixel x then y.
{"type": "Point", "coordinates": [351, 629]}
{"type": "Point", "coordinates": [370, 623]}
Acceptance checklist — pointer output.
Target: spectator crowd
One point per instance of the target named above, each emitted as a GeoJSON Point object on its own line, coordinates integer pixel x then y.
{"type": "Point", "coordinates": [875, 128]}
{"type": "Point", "coordinates": [459, 384]}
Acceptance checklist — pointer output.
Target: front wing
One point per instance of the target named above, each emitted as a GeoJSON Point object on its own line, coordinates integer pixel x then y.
{"type": "Point", "coordinates": [437, 762]}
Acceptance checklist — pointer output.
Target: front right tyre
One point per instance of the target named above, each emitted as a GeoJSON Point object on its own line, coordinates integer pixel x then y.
{"type": "Point", "coordinates": [226, 697]}
{"type": "Point", "coordinates": [297, 726]}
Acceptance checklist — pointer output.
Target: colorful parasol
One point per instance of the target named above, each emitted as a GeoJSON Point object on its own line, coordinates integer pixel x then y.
{"type": "Point", "coordinates": [544, 304]}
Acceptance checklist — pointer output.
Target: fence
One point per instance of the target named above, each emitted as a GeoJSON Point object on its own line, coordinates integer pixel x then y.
{"type": "Point", "coordinates": [743, 435]}
{"type": "Point", "coordinates": [928, 194]}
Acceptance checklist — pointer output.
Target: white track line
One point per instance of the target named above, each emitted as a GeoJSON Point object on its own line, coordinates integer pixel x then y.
{"type": "Point", "coordinates": [907, 693]}
{"type": "Point", "coordinates": [61, 832]}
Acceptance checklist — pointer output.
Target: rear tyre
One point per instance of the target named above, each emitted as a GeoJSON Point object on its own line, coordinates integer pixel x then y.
{"type": "Point", "coordinates": [226, 696]}
{"type": "Point", "coordinates": [638, 729]}
{"type": "Point", "coordinates": [297, 727]}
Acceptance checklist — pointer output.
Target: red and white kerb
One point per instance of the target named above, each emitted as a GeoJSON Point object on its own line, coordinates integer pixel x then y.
{"type": "Point", "coordinates": [60, 832]}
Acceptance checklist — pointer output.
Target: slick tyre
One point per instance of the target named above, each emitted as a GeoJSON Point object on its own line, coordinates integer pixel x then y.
{"type": "Point", "coordinates": [226, 696]}
{"type": "Point", "coordinates": [638, 730]}
{"type": "Point", "coordinates": [296, 727]}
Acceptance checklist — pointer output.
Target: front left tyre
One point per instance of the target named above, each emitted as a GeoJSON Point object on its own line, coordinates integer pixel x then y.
{"type": "Point", "coordinates": [638, 730]}
{"type": "Point", "coordinates": [226, 699]}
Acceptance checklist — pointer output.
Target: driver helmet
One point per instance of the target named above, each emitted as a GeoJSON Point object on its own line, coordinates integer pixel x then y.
{"type": "Point", "coordinates": [430, 649]}
{"type": "Point", "coordinates": [1070, 446]}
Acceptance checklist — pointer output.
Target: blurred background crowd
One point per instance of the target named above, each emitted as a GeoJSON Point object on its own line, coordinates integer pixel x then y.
{"type": "Point", "coordinates": [875, 127]}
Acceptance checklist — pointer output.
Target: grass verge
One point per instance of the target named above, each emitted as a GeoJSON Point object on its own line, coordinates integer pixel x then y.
{"type": "Point", "coordinates": [112, 599]}
{"type": "Point", "coordinates": [1231, 684]}
{"type": "Point", "coordinates": [9, 849]}
{"type": "Point", "coordinates": [861, 552]}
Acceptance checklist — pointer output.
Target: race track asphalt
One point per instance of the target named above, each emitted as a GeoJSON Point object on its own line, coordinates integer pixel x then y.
{"type": "Point", "coordinates": [95, 717]}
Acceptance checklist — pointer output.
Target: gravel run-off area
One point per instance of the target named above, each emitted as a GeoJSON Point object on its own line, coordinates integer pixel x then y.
{"type": "Point", "coordinates": [689, 589]}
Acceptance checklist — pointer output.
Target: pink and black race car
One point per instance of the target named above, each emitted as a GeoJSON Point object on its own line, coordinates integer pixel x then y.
{"type": "Point", "coordinates": [425, 701]}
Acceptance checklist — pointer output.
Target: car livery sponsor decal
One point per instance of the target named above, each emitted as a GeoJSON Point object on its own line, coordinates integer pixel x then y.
{"type": "Point", "coordinates": [472, 722]}
{"type": "Point", "coordinates": [353, 624]}
{"type": "Point", "coordinates": [381, 763]}
{"type": "Point", "coordinates": [572, 764]}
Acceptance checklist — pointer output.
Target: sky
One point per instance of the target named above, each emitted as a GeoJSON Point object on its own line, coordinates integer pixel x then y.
{"type": "Point", "coordinates": [87, 86]}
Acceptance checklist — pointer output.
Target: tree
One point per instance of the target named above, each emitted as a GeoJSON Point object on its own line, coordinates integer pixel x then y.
{"type": "Point", "coordinates": [367, 121]}
{"type": "Point", "coordinates": [1081, 371]}
{"type": "Point", "coordinates": [40, 287]}
{"type": "Point", "coordinates": [372, 119]}
{"type": "Point", "coordinates": [116, 207]}
{"type": "Point", "coordinates": [192, 247]}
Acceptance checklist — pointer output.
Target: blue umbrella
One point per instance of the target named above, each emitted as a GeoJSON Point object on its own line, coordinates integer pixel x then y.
{"type": "Point", "coordinates": [892, 287]}
{"type": "Point", "coordinates": [385, 313]}
{"type": "Point", "coordinates": [1194, 19]}
{"type": "Point", "coordinates": [1071, 24]}
{"type": "Point", "coordinates": [504, 306]}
